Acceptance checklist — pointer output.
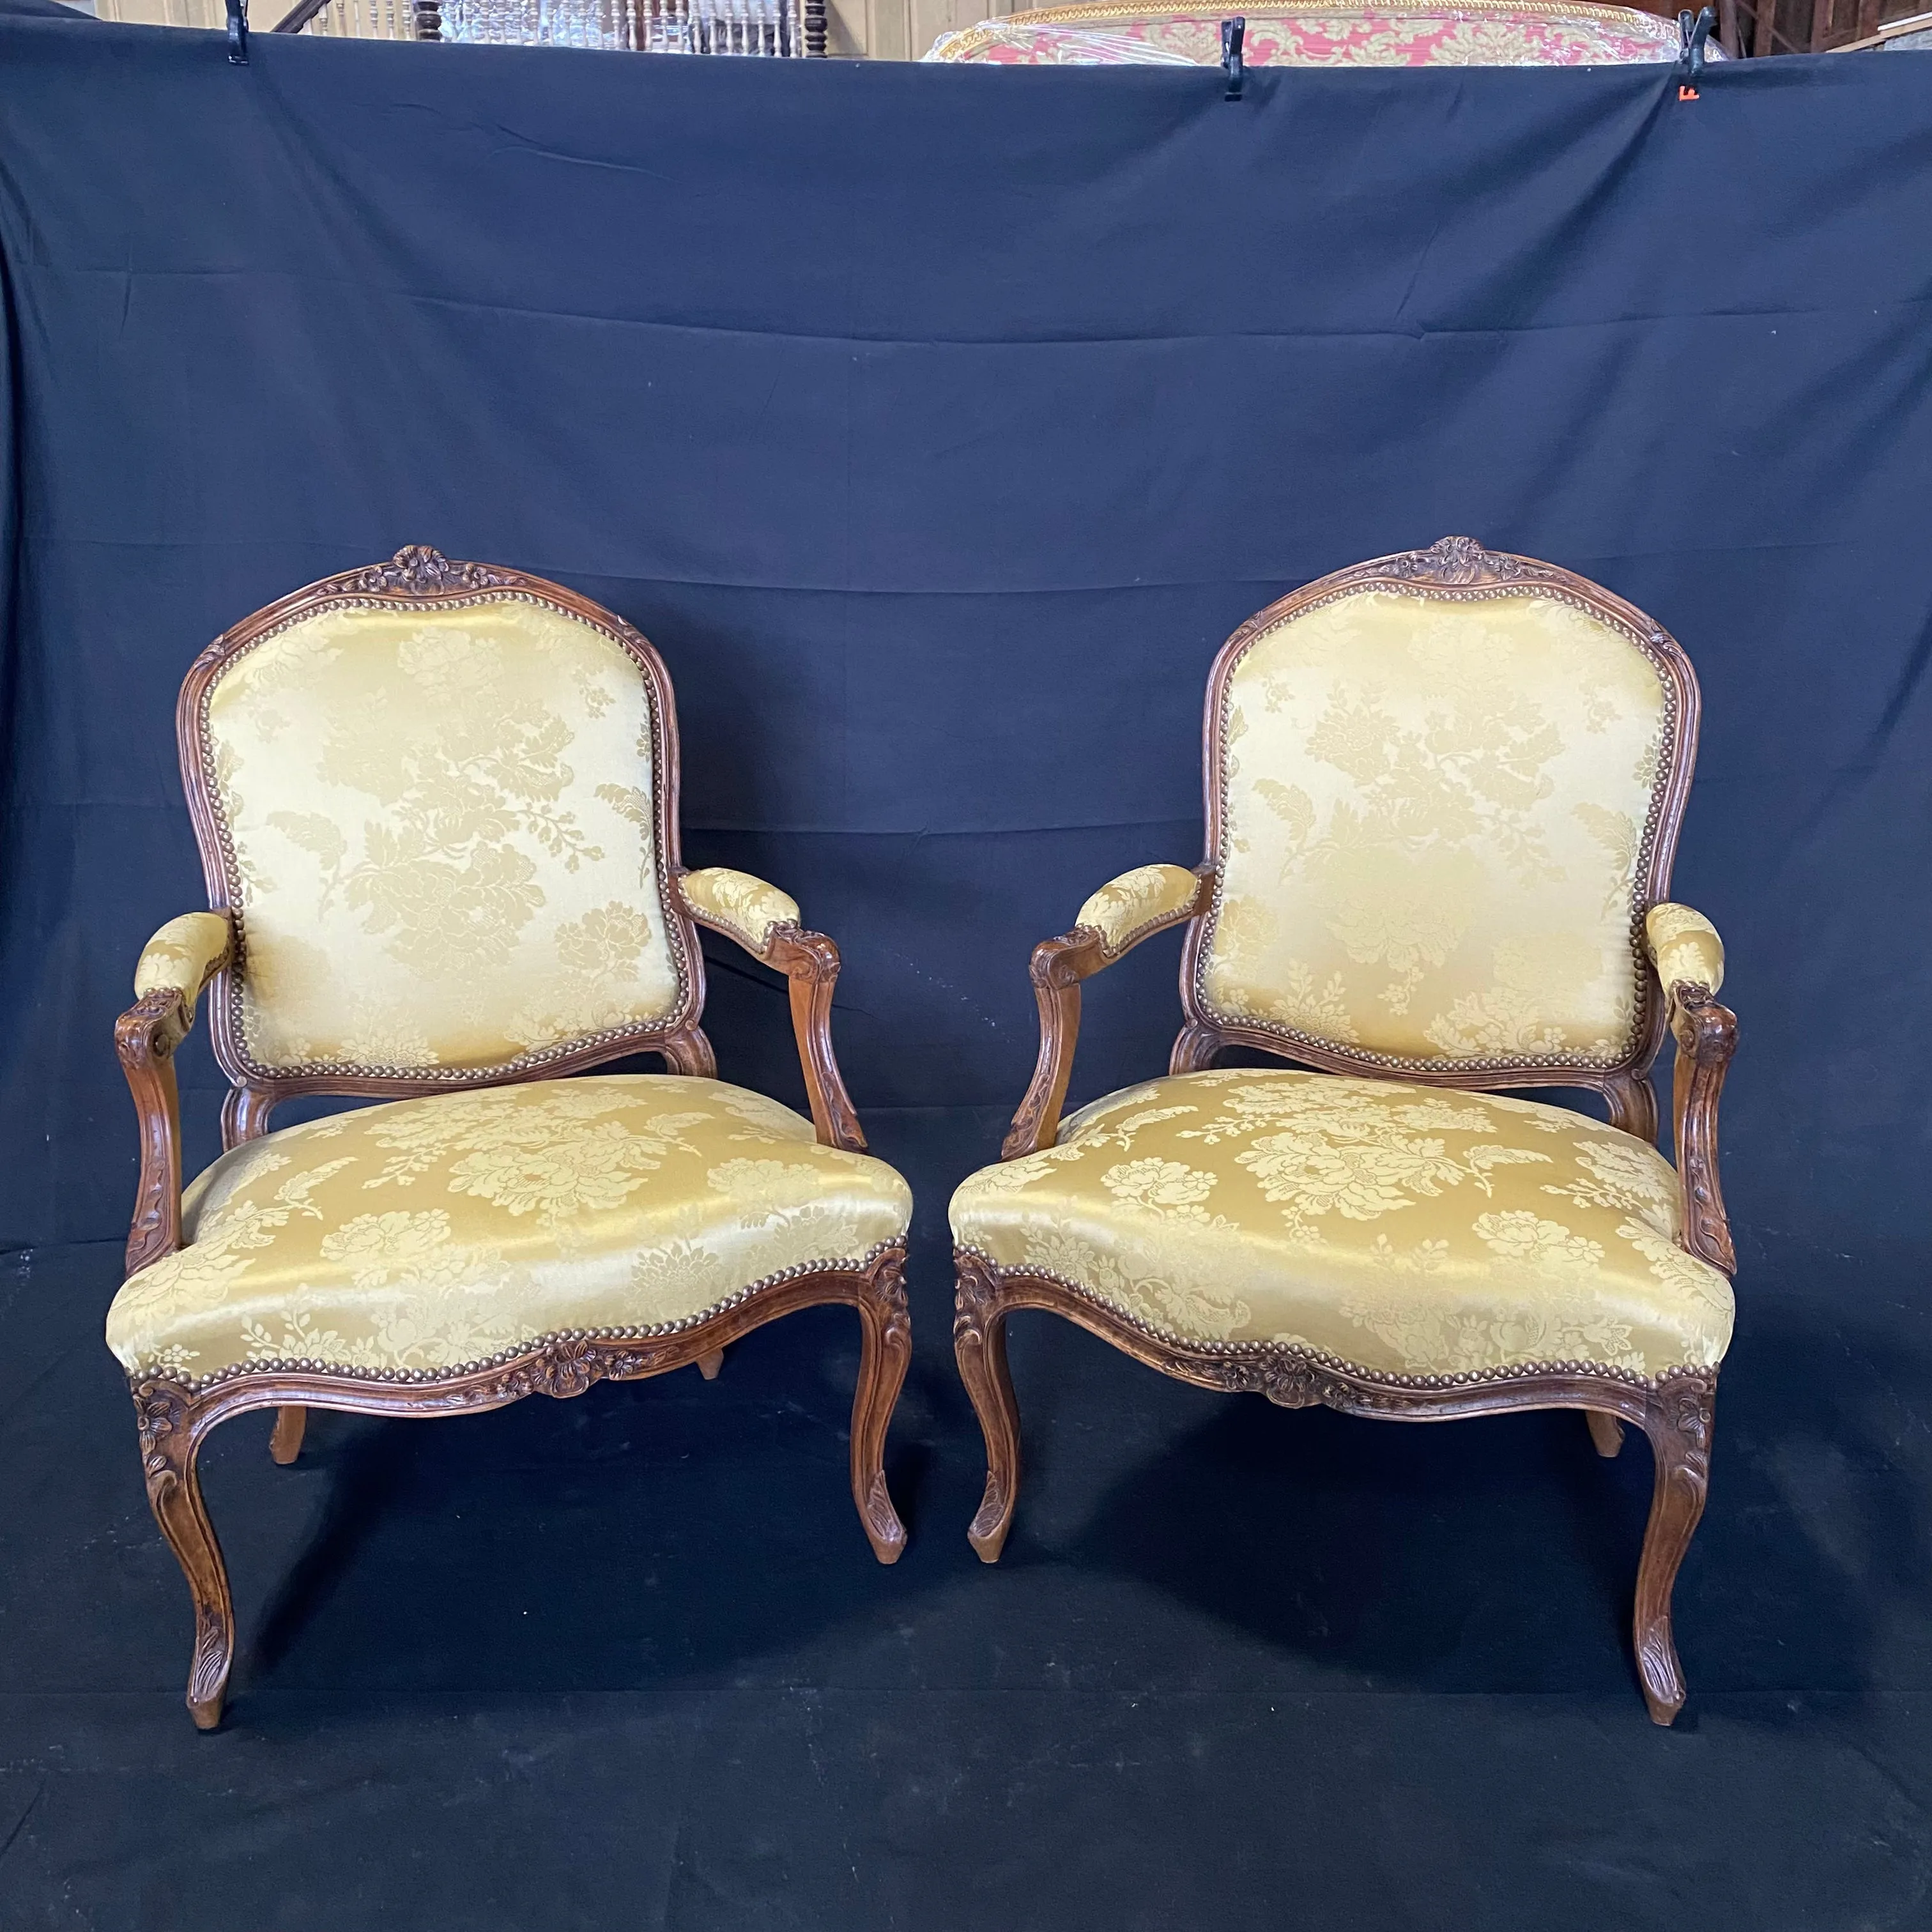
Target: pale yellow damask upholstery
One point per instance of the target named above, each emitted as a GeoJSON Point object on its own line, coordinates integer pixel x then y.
{"type": "Point", "coordinates": [181, 955]}
{"type": "Point", "coordinates": [442, 825]}
{"type": "Point", "coordinates": [1135, 904]}
{"type": "Point", "coordinates": [432, 1234]}
{"type": "Point", "coordinates": [1404, 1229]}
{"type": "Point", "coordinates": [1434, 826]}
{"type": "Point", "coordinates": [744, 906]}
{"type": "Point", "coordinates": [1683, 947]}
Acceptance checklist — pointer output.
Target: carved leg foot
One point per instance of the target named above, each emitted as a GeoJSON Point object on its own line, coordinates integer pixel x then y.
{"type": "Point", "coordinates": [285, 1445]}
{"type": "Point", "coordinates": [708, 1365]}
{"type": "Point", "coordinates": [1606, 1432]}
{"type": "Point", "coordinates": [174, 1492]}
{"type": "Point", "coordinates": [979, 1347]}
{"type": "Point", "coordinates": [884, 1355]}
{"type": "Point", "coordinates": [1678, 1425]}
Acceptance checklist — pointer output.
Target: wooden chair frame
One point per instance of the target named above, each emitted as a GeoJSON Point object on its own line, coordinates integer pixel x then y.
{"type": "Point", "coordinates": [1674, 1410]}
{"type": "Point", "coordinates": [175, 1417]}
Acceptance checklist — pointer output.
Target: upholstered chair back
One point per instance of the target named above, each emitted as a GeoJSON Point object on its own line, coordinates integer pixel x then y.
{"type": "Point", "coordinates": [1442, 791]}
{"type": "Point", "coordinates": [438, 800]}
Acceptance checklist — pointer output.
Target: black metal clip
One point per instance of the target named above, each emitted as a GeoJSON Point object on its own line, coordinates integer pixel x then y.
{"type": "Point", "coordinates": [238, 32]}
{"type": "Point", "coordinates": [1693, 31]}
{"type": "Point", "coordinates": [1233, 32]}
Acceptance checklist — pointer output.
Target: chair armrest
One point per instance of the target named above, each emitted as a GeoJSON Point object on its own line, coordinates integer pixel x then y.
{"type": "Point", "coordinates": [1689, 957]}
{"type": "Point", "coordinates": [1122, 914]}
{"type": "Point", "coordinates": [174, 965]}
{"type": "Point", "coordinates": [765, 922]}
{"type": "Point", "coordinates": [742, 907]}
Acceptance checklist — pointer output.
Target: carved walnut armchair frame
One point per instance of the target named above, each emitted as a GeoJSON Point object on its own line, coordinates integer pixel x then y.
{"type": "Point", "coordinates": [174, 1419]}
{"type": "Point", "coordinates": [1674, 1410]}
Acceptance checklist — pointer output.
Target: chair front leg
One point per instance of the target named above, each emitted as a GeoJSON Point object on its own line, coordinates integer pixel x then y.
{"type": "Point", "coordinates": [1678, 1422]}
{"type": "Point", "coordinates": [169, 1450]}
{"type": "Point", "coordinates": [979, 1347]}
{"type": "Point", "coordinates": [885, 1351]}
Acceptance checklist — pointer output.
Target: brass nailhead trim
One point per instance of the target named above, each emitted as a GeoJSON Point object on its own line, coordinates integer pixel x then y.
{"type": "Point", "coordinates": [1320, 1357]}
{"type": "Point", "coordinates": [231, 872]}
{"type": "Point", "coordinates": [1646, 848]}
{"type": "Point", "coordinates": [284, 1365]}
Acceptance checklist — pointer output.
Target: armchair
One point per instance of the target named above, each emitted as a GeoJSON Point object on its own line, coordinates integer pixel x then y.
{"type": "Point", "coordinates": [436, 804]}
{"type": "Point", "coordinates": [1443, 794]}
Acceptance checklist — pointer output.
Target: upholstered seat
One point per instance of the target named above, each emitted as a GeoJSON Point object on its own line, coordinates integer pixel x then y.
{"type": "Point", "coordinates": [436, 1234]}
{"type": "Point", "coordinates": [1407, 1230]}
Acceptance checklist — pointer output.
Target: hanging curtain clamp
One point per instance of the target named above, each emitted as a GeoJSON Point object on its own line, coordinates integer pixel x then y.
{"type": "Point", "coordinates": [1694, 32]}
{"type": "Point", "coordinates": [237, 33]}
{"type": "Point", "coordinates": [1233, 32]}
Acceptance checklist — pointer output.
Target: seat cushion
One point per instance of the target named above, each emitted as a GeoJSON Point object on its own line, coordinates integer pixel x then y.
{"type": "Point", "coordinates": [1402, 1228]}
{"type": "Point", "coordinates": [436, 1233]}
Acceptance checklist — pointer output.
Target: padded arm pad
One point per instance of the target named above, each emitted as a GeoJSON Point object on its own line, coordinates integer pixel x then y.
{"type": "Point", "coordinates": [1684, 946]}
{"type": "Point", "coordinates": [744, 908]}
{"type": "Point", "coordinates": [181, 956]}
{"type": "Point", "coordinates": [1137, 903]}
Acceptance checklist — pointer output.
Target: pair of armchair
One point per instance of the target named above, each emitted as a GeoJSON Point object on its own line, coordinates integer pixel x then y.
{"type": "Point", "coordinates": [436, 804]}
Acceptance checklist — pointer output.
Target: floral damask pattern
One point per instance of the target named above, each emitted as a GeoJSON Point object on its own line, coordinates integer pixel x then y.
{"type": "Point", "coordinates": [1433, 828]}
{"type": "Point", "coordinates": [444, 846]}
{"type": "Point", "coordinates": [1685, 947]}
{"type": "Point", "coordinates": [180, 954]}
{"type": "Point", "coordinates": [744, 905]}
{"type": "Point", "coordinates": [1323, 35]}
{"type": "Point", "coordinates": [1126, 907]}
{"type": "Point", "coordinates": [429, 1234]}
{"type": "Point", "coordinates": [1407, 1230]}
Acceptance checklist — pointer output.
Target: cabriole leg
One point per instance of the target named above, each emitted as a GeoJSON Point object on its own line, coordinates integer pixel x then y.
{"type": "Point", "coordinates": [884, 1352]}
{"type": "Point", "coordinates": [979, 1347]}
{"type": "Point", "coordinates": [1605, 1431]}
{"type": "Point", "coordinates": [168, 1457]}
{"type": "Point", "coordinates": [710, 1362]}
{"type": "Point", "coordinates": [1679, 1424]}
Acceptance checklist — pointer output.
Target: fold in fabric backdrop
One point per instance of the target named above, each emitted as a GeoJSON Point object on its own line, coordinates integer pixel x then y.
{"type": "Point", "coordinates": [938, 423]}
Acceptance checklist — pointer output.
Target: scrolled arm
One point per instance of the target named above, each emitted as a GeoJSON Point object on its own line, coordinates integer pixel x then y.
{"type": "Point", "coordinates": [765, 922]}
{"type": "Point", "coordinates": [1689, 957]}
{"type": "Point", "coordinates": [1122, 914]}
{"type": "Point", "coordinates": [1138, 904]}
{"type": "Point", "coordinates": [174, 965]}
{"type": "Point", "coordinates": [740, 906]}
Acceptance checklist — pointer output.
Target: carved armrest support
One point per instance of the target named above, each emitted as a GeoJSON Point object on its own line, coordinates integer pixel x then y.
{"type": "Point", "coordinates": [1689, 957]}
{"type": "Point", "coordinates": [1122, 914]}
{"type": "Point", "coordinates": [765, 922]}
{"type": "Point", "coordinates": [174, 965]}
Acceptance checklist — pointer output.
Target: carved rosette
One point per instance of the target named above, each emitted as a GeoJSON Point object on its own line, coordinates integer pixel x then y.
{"type": "Point", "coordinates": [160, 1414]}
{"type": "Point", "coordinates": [562, 1368]}
{"type": "Point", "coordinates": [417, 571]}
{"type": "Point", "coordinates": [1684, 1402]}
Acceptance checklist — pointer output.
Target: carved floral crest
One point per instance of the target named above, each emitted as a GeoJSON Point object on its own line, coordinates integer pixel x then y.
{"type": "Point", "coordinates": [417, 571]}
{"type": "Point", "coordinates": [1462, 561]}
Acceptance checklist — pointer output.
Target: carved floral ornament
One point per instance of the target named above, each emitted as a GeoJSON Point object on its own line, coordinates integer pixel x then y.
{"type": "Point", "coordinates": [1462, 561]}
{"type": "Point", "coordinates": [417, 571]}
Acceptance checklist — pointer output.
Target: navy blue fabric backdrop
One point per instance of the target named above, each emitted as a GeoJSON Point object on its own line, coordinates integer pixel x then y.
{"type": "Point", "coordinates": [938, 425]}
